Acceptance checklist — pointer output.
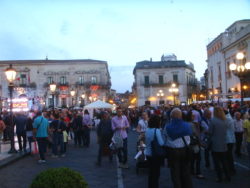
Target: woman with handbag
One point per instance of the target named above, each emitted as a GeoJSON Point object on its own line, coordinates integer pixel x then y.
{"type": "Point", "coordinates": [154, 162]}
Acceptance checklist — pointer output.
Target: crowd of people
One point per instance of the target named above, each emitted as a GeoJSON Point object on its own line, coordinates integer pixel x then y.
{"type": "Point", "coordinates": [187, 134]}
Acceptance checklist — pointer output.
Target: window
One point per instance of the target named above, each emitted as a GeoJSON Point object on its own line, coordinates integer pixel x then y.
{"type": "Point", "coordinates": [93, 80]}
{"type": "Point", "coordinates": [146, 80]}
{"type": "Point", "coordinates": [175, 78]}
{"type": "Point", "coordinates": [50, 80]}
{"type": "Point", "coordinates": [23, 79]}
{"type": "Point", "coordinates": [160, 79]}
{"type": "Point", "coordinates": [81, 80]}
{"type": "Point", "coordinates": [62, 80]}
{"type": "Point", "coordinates": [219, 69]}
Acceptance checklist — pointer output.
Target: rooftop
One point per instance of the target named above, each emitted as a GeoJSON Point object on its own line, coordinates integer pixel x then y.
{"type": "Point", "coordinates": [162, 64]}
{"type": "Point", "coordinates": [48, 61]}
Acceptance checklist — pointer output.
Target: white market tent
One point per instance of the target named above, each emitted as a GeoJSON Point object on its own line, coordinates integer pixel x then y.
{"type": "Point", "coordinates": [98, 105]}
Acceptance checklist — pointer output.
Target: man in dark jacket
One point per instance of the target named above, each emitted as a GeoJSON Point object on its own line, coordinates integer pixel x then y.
{"type": "Point", "coordinates": [78, 130]}
{"type": "Point", "coordinates": [104, 136]}
{"type": "Point", "coordinates": [21, 121]}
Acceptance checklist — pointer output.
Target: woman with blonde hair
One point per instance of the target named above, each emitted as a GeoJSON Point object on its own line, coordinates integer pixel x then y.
{"type": "Point", "coordinates": [218, 130]}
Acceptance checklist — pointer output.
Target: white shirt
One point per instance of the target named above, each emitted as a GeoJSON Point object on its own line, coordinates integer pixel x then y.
{"type": "Point", "coordinates": [238, 126]}
{"type": "Point", "coordinates": [143, 125]}
{"type": "Point", "coordinates": [177, 143]}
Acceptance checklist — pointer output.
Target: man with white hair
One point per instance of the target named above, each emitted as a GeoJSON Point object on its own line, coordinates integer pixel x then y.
{"type": "Point", "coordinates": [177, 134]}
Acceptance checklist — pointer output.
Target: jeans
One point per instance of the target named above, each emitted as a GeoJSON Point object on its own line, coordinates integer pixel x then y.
{"type": "Point", "coordinates": [207, 157]}
{"type": "Point", "coordinates": [80, 139]}
{"type": "Point", "coordinates": [57, 140]}
{"type": "Point", "coordinates": [22, 143]}
{"type": "Point", "coordinates": [154, 165]}
{"type": "Point", "coordinates": [30, 140]}
{"type": "Point", "coordinates": [239, 138]}
{"type": "Point", "coordinates": [122, 153]}
{"type": "Point", "coordinates": [220, 159]}
{"type": "Point", "coordinates": [42, 144]}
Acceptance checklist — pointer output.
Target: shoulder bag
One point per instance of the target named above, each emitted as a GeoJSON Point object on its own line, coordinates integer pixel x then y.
{"type": "Point", "coordinates": [157, 149]}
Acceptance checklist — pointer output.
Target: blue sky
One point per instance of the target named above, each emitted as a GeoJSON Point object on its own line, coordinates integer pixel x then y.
{"type": "Point", "coordinates": [120, 32]}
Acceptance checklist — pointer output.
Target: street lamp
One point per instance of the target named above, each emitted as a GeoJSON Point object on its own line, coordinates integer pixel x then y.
{"type": "Point", "coordinates": [160, 94]}
{"type": "Point", "coordinates": [241, 70]}
{"type": "Point", "coordinates": [72, 93]}
{"type": "Point", "coordinates": [11, 76]}
{"type": "Point", "coordinates": [52, 88]}
{"type": "Point", "coordinates": [174, 90]}
{"type": "Point", "coordinates": [83, 98]}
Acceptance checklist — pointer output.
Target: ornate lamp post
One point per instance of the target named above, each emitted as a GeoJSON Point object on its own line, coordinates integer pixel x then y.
{"type": "Point", "coordinates": [160, 94]}
{"type": "Point", "coordinates": [174, 90]}
{"type": "Point", "coordinates": [72, 93]}
{"type": "Point", "coordinates": [11, 76]}
{"type": "Point", "coordinates": [83, 98]}
{"type": "Point", "coordinates": [52, 88]}
{"type": "Point", "coordinates": [241, 69]}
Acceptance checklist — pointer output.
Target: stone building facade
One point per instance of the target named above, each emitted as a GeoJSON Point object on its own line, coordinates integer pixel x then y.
{"type": "Point", "coordinates": [154, 76]}
{"type": "Point", "coordinates": [222, 83]}
{"type": "Point", "coordinates": [90, 79]}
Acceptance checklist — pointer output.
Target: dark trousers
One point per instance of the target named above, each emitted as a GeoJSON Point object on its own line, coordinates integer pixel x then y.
{"type": "Point", "coordinates": [22, 140]}
{"type": "Point", "coordinates": [75, 137]}
{"type": "Point", "coordinates": [207, 157]}
{"type": "Point", "coordinates": [42, 144]}
{"type": "Point", "coordinates": [220, 162]}
{"type": "Point", "coordinates": [180, 168]}
{"type": "Point", "coordinates": [100, 152]}
{"type": "Point", "coordinates": [196, 163]}
{"type": "Point", "coordinates": [86, 137]}
{"type": "Point", "coordinates": [230, 158]}
{"type": "Point", "coordinates": [122, 153]}
{"type": "Point", "coordinates": [239, 138]}
{"type": "Point", "coordinates": [154, 167]}
{"type": "Point", "coordinates": [30, 140]}
{"type": "Point", "coordinates": [79, 134]}
{"type": "Point", "coordinates": [57, 140]}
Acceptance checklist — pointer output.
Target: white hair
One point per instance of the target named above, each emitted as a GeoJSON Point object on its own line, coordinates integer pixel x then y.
{"type": "Point", "coordinates": [174, 112]}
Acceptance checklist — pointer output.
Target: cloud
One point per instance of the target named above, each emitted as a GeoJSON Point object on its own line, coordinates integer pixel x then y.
{"type": "Point", "coordinates": [65, 28]}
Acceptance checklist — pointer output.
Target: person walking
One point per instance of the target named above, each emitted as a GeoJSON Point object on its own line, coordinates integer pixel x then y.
{"type": "Point", "coordinates": [218, 130]}
{"type": "Point", "coordinates": [86, 128]}
{"type": "Point", "coordinates": [40, 129]}
{"type": "Point", "coordinates": [230, 140]}
{"type": "Point", "coordinates": [195, 145]}
{"type": "Point", "coordinates": [57, 127]}
{"type": "Point", "coordinates": [154, 163]}
{"type": "Point", "coordinates": [21, 121]}
{"type": "Point", "coordinates": [205, 124]}
{"type": "Point", "coordinates": [120, 125]}
{"type": "Point", "coordinates": [29, 131]}
{"type": "Point", "coordinates": [104, 136]}
{"type": "Point", "coordinates": [238, 128]}
{"type": "Point", "coordinates": [177, 134]}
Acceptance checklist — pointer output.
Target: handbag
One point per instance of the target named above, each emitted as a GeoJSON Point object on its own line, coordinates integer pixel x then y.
{"type": "Point", "coordinates": [157, 149]}
{"type": "Point", "coordinates": [34, 149]}
{"type": "Point", "coordinates": [117, 140]}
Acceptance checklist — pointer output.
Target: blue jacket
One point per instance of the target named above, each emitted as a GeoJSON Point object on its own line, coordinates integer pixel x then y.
{"type": "Point", "coordinates": [20, 121]}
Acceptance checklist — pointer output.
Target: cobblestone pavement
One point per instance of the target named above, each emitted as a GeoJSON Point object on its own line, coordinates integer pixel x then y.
{"type": "Point", "coordinates": [21, 173]}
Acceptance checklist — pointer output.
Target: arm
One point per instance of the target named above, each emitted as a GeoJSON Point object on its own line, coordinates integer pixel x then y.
{"type": "Point", "coordinates": [138, 128]}
{"type": "Point", "coordinates": [159, 137]}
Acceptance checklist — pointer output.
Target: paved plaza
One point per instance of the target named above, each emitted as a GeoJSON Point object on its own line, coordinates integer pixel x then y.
{"type": "Point", "coordinates": [20, 173]}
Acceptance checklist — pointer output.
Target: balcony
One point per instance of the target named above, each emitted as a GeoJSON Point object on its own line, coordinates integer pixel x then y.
{"type": "Point", "coordinates": [29, 85]}
{"type": "Point", "coordinates": [153, 84]}
{"type": "Point", "coordinates": [89, 85]}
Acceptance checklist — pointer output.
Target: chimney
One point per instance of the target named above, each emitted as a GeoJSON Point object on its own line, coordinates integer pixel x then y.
{"type": "Point", "coordinates": [151, 59]}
